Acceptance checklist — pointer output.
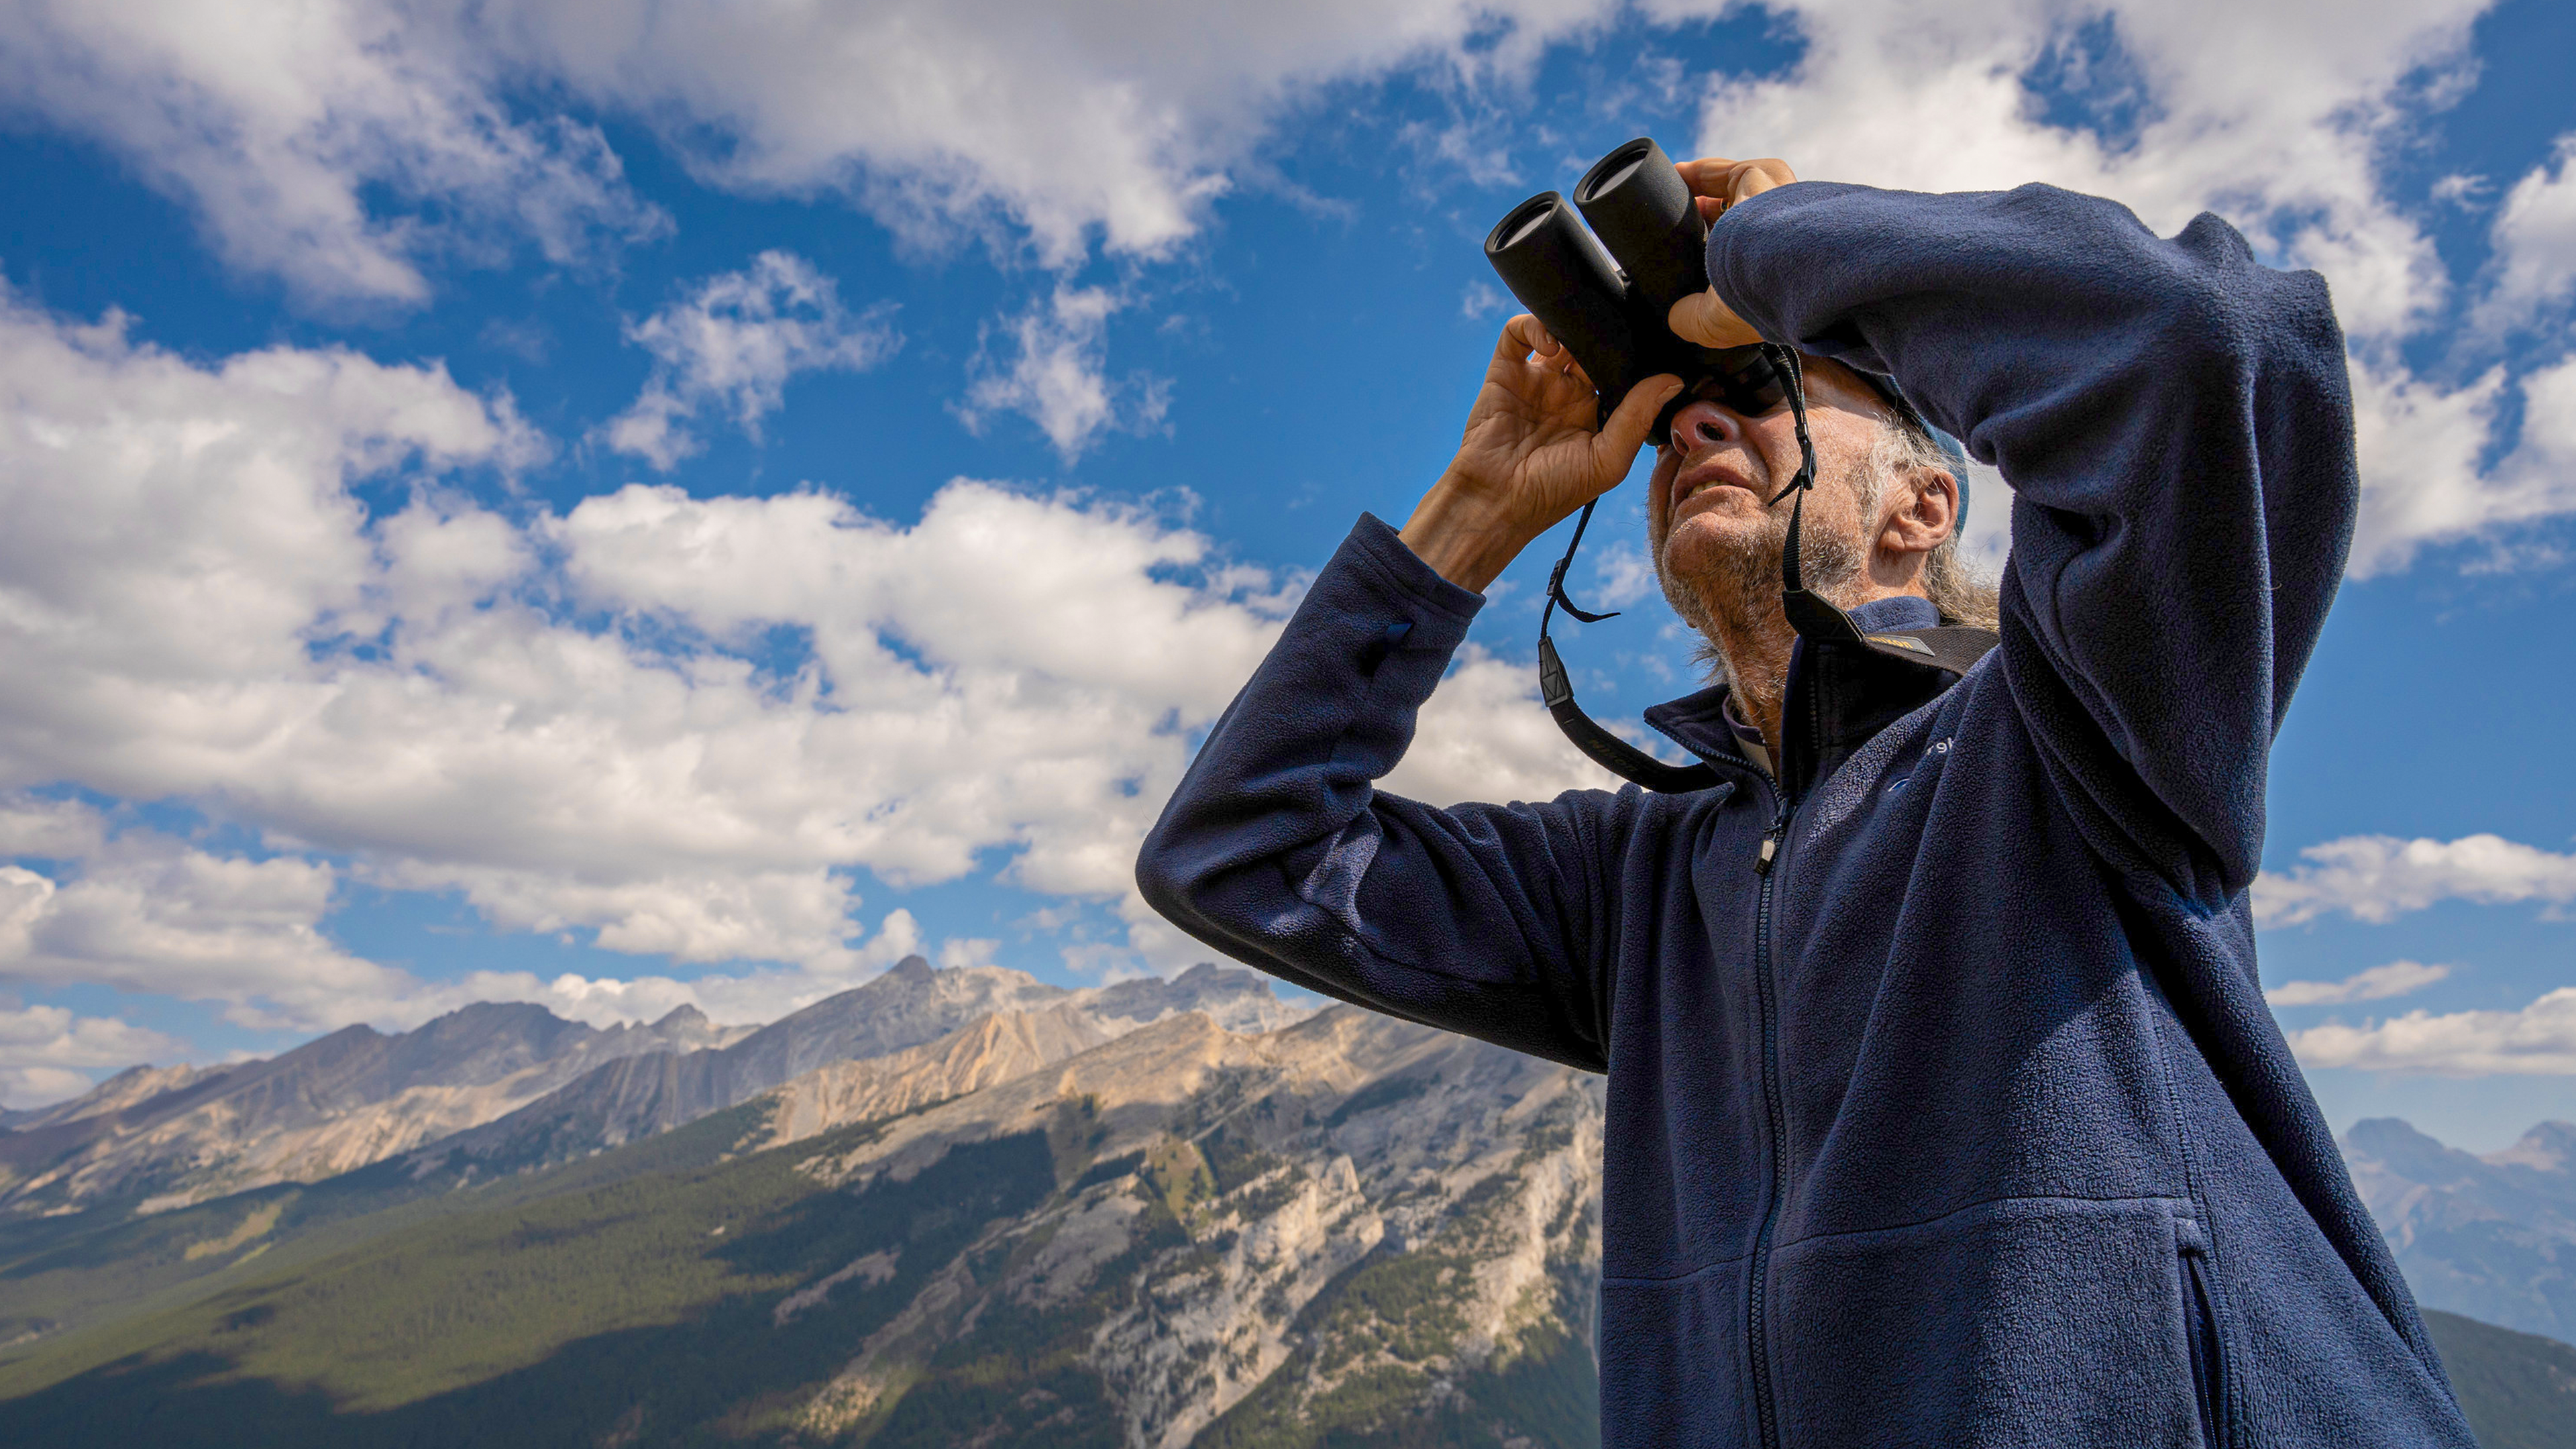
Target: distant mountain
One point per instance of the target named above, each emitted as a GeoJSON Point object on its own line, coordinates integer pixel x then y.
{"type": "Point", "coordinates": [153, 1139]}
{"type": "Point", "coordinates": [908, 1007]}
{"type": "Point", "coordinates": [1350, 1231]}
{"type": "Point", "coordinates": [2492, 1237]}
{"type": "Point", "coordinates": [1047, 1228]}
{"type": "Point", "coordinates": [2518, 1389]}
{"type": "Point", "coordinates": [163, 1138]}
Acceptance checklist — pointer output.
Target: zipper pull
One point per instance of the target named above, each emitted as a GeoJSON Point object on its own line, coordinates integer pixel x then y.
{"type": "Point", "coordinates": [1770, 848]}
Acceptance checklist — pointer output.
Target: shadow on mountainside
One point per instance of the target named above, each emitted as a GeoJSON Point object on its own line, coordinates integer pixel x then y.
{"type": "Point", "coordinates": [465, 1340]}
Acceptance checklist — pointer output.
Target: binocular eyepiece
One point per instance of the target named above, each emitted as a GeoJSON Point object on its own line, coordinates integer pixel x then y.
{"type": "Point", "coordinates": [1609, 308]}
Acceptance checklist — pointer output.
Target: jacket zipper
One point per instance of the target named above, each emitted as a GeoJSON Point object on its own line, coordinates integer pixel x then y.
{"type": "Point", "coordinates": [1757, 1327]}
{"type": "Point", "coordinates": [2200, 1323]}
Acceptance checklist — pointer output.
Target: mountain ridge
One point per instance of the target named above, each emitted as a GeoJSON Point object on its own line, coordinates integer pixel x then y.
{"type": "Point", "coordinates": [1348, 1230]}
{"type": "Point", "coordinates": [1180, 1235]}
{"type": "Point", "coordinates": [2491, 1237]}
{"type": "Point", "coordinates": [621, 1101]}
{"type": "Point", "coordinates": [155, 1139]}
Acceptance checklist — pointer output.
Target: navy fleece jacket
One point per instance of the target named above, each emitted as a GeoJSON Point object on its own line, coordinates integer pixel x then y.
{"type": "Point", "coordinates": [1965, 1123]}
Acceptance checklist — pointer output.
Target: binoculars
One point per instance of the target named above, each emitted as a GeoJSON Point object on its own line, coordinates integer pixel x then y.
{"type": "Point", "coordinates": [1610, 309]}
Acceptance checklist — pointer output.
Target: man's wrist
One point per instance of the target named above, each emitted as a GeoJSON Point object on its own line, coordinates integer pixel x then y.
{"type": "Point", "coordinates": [1463, 534]}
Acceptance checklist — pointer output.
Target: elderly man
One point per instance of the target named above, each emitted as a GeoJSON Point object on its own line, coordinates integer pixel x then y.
{"type": "Point", "coordinates": [1943, 1104]}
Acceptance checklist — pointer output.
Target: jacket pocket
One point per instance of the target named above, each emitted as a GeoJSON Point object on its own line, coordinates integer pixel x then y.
{"type": "Point", "coordinates": [2032, 1323]}
{"type": "Point", "coordinates": [2200, 1327]}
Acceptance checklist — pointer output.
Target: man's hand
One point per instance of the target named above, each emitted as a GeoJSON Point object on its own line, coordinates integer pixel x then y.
{"type": "Point", "coordinates": [1530, 456]}
{"type": "Point", "coordinates": [1720, 183]}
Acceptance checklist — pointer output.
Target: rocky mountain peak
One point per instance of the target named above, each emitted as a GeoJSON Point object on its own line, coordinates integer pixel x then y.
{"type": "Point", "coordinates": [912, 970]}
{"type": "Point", "coordinates": [2548, 1147]}
{"type": "Point", "coordinates": [2485, 1236]}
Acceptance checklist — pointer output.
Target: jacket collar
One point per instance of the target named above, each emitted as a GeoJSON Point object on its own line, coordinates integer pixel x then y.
{"type": "Point", "coordinates": [1838, 698]}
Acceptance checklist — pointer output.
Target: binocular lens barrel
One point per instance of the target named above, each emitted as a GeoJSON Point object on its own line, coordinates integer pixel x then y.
{"type": "Point", "coordinates": [1643, 212]}
{"type": "Point", "coordinates": [1612, 320]}
{"type": "Point", "coordinates": [1560, 273]}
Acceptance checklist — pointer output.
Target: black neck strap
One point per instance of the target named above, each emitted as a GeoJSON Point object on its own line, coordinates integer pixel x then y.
{"type": "Point", "coordinates": [1951, 649]}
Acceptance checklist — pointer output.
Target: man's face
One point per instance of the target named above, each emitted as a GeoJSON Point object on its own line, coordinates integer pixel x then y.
{"type": "Point", "coordinates": [1716, 543]}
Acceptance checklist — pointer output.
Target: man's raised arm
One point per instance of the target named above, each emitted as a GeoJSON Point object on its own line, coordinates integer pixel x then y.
{"type": "Point", "coordinates": [2176, 421]}
{"type": "Point", "coordinates": [1278, 849]}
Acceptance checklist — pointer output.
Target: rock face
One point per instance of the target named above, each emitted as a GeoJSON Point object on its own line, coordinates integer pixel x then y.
{"type": "Point", "coordinates": [1047, 1226]}
{"type": "Point", "coordinates": [168, 1137]}
{"type": "Point", "coordinates": [1315, 1235]}
{"type": "Point", "coordinates": [526, 1088]}
{"type": "Point", "coordinates": [2491, 1237]}
{"type": "Point", "coordinates": [1349, 1231]}
{"type": "Point", "coordinates": [909, 1007]}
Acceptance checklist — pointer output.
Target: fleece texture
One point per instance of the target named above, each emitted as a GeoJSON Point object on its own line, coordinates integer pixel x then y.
{"type": "Point", "coordinates": [1964, 1123]}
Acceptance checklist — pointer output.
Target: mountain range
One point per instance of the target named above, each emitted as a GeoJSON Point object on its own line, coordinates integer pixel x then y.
{"type": "Point", "coordinates": [1335, 1230]}
{"type": "Point", "coordinates": [153, 1139]}
{"type": "Point", "coordinates": [949, 1207]}
{"type": "Point", "coordinates": [2492, 1237]}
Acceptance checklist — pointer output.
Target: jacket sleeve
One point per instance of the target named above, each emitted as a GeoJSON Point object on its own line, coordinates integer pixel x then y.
{"type": "Point", "coordinates": [1278, 850]}
{"type": "Point", "coordinates": [2176, 422]}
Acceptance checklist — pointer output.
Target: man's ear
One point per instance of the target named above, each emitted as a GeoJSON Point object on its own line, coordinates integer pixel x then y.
{"type": "Point", "coordinates": [1927, 512]}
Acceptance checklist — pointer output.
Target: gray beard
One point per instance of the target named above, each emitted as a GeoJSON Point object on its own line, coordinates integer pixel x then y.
{"type": "Point", "coordinates": [1743, 583]}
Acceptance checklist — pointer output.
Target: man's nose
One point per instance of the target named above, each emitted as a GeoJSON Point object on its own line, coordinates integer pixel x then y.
{"type": "Point", "coordinates": [1701, 423]}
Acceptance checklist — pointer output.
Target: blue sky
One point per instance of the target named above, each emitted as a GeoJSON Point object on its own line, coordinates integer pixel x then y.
{"type": "Point", "coordinates": [622, 505]}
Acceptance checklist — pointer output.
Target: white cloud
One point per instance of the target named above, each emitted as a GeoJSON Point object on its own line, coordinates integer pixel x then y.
{"type": "Point", "coordinates": [2278, 128]}
{"type": "Point", "coordinates": [949, 117]}
{"type": "Point", "coordinates": [44, 1048]}
{"type": "Point", "coordinates": [733, 343]}
{"type": "Point", "coordinates": [148, 914]}
{"type": "Point", "coordinates": [2379, 877]}
{"type": "Point", "coordinates": [1988, 536]}
{"type": "Point", "coordinates": [2419, 443]}
{"type": "Point", "coordinates": [2535, 240]}
{"type": "Point", "coordinates": [1056, 374]}
{"type": "Point", "coordinates": [272, 119]}
{"type": "Point", "coordinates": [53, 1036]}
{"type": "Point", "coordinates": [2282, 129]}
{"type": "Point", "coordinates": [47, 829]}
{"type": "Point", "coordinates": [1621, 575]}
{"type": "Point", "coordinates": [2420, 447]}
{"type": "Point", "coordinates": [22, 1088]}
{"type": "Point", "coordinates": [560, 716]}
{"type": "Point", "coordinates": [2540, 1039]}
{"type": "Point", "coordinates": [316, 138]}
{"type": "Point", "coordinates": [2397, 978]}
{"type": "Point", "coordinates": [758, 995]}
{"type": "Point", "coordinates": [1484, 736]}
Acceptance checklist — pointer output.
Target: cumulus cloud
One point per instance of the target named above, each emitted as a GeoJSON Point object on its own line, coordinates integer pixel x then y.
{"type": "Point", "coordinates": [733, 343]}
{"type": "Point", "coordinates": [144, 913]}
{"type": "Point", "coordinates": [1054, 371]}
{"type": "Point", "coordinates": [272, 120]}
{"type": "Point", "coordinates": [318, 140]}
{"type": "Point", "coordinates": [2539, 1039]}
{"type": "Point", "coordinates": [1621, 575]}
{"type": "Point", "coordinates": [576, 721]}
{"type": "Point", "coordinates": [994, 115]}
{"type": "Point", "coordinates": [2380, 877]}
{"type": "Point", "coordinates": [1485, 736]}
{"type": "Point", "coordinates": [147, 913]}
{"type": "Point", "coordinates": [2281, 130]}
{"type": "Point", "coordinates": [48, 829]}
{"type": "Point", "coordinates": [2379, 983]}
{"type": "Point", "coordinates": [43, 1050]}
{"type": "Point", "coordinates": [334, 143]}
{"type": "Point", "coordinates": [2535, 240]}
